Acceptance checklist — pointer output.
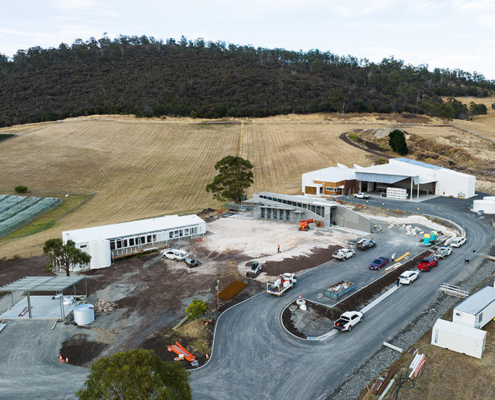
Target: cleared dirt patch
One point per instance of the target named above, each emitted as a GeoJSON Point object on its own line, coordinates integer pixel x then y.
{"type": "Point", "coordinates": [317, 257]}
{"type": "Point", "coordinates": [232, 290]}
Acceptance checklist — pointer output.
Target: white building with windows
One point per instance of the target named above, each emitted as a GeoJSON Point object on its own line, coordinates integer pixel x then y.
{"type": "Point", "coordinates": [108, 242]}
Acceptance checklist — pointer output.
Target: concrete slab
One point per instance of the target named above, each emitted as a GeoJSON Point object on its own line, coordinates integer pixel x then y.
{"type": "Point", "coordinates": [42, 307]}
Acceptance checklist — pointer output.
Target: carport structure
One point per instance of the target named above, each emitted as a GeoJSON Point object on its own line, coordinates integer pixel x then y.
{"type": "Point", "coordinates": [44, 284]}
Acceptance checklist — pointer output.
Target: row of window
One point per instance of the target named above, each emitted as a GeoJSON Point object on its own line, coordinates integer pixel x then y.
{"type": "Point", "coordinates": [320, 210]}
{"type": "Point", "coordinates": [182, 232]}
{"type": "Point", "coordinates": [274, 213]}
{"type": "Point", "coordinates": [129, 242]}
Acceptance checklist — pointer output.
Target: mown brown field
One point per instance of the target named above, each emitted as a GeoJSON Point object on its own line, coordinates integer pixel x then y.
{"type": "Point", "coordinates": [141, 170]}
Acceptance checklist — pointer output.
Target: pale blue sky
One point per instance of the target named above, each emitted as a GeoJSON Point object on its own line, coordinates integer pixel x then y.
{"type": "Point", "coordinates": [442, 33]}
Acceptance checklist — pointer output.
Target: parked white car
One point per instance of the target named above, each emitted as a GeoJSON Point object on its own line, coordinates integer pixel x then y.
{"type": "Point", "coordinates": [458, 241]}
{"type": "Point", "coordinates": [343, 254]}
{"type": "Point", "coordinates": [443, 252]}
{"type": "Point", "coordinates": [177, 255]}
{"type": "Point", "coordinates": [362, 195]}
{"type": "Point", "coordinates": [408, 277]}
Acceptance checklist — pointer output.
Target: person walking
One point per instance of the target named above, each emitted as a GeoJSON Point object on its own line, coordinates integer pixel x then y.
{"type": "Point", "coordinates": [278, 249]}
{"type": "Point", "coordinates": [381, 227]}
{"type": "Point", "coordinates": [398, 282]}
{"type": "Point", "coordinates": [375, 227]}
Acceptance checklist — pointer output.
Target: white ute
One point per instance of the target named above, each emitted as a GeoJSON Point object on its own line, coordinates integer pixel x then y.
{"type": "Point", "coordinates": [343, 254]}
{"type": "Point", "coordinates": [348, 320]}
{"type": "Point", "coordinates": [282, 284]}
{"type": "Point", "coordinates": [177, 255]}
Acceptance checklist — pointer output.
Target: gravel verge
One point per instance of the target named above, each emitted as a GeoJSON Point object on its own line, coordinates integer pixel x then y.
{"type": "Point", "coordinates": [384, 357]}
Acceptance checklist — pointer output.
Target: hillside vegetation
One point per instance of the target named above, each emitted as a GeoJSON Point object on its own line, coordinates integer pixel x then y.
{"type": "Point", "coordinates": [149, 77]}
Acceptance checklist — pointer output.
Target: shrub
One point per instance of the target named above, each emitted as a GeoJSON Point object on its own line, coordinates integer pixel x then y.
{"type": "Point", "coordinates": [353, 137]}
{"type": "Point", "coordinates": [398, 142]}
{"type": "Point", "coordinates": [21, 189]}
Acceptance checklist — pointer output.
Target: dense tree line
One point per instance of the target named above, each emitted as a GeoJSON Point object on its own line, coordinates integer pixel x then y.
{"type": "Point", "coordinates": [149, 77]}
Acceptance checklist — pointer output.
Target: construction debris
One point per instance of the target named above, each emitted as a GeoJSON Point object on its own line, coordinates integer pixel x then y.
{"type": "Point", "coordinates": [391, 346]}
{"type": "Point", "coordinates": [104, 306]}
{"type": "Point", "coordinates": [416, 365]}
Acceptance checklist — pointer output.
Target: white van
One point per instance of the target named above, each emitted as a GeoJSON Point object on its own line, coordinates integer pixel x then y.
{"type": "Point", "coordinates": [177, 255]}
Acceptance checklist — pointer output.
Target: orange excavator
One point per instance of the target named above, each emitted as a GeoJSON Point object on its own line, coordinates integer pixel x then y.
{"type": "Point", "coordinates": [304, 224]}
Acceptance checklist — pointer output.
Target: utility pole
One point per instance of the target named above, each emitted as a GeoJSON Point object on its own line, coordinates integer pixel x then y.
{"type": "Point", "coordinates": [218, 298]}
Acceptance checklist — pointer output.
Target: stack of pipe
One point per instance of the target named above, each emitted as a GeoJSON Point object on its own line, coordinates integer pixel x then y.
{"type": "Point", "coordinates": [416, 365]}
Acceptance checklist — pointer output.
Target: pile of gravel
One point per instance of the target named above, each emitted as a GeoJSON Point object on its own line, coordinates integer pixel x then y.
{"type": "Point", "coordinates": [384, 357]}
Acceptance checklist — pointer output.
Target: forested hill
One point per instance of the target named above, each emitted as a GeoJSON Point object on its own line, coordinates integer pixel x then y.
{"type": "Point", "coordinates": [149, 77]}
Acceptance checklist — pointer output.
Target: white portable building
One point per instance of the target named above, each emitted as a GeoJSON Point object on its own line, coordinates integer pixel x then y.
{"type": "Point", "coordinates": [477, 310]}
{"type": "Point", "coordinates": [458, 338]}
{"type": "Point", "coordinates": [108, 242]}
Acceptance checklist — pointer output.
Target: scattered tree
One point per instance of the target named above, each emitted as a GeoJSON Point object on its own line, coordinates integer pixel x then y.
{"type": "Point", "coordinates": [196, 309]}
{"type": "Point", "coordinates": [234, 178]}
{"type": "Point", "coordinates": [338, 101]}
{"type": "Point", "coordinates": [64, 255]}
{"type": "Point", "coordinates": [21, 189]}
{"type": "Point", "coordinates": [136, 374]}
{"type": "Point", "coordinates": [445, 112]}
{"type": "Point", "coordinates": [398, 142]}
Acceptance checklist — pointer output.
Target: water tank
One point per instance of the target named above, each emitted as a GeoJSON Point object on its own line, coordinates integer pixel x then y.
{"type": "Point", "coordinates": [426, 239]}
{"type": "Point", "coordinates": [433, 235]}
{"type": "Point", "coordinates": [84, 314]}
{"type": "Point", "coordinates": [101, 256]}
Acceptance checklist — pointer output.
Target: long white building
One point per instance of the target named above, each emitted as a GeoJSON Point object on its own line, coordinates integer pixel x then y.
{"type": "Point", "coordinates": [108, 242]}
{"type": "Point", "coordinates": [415, 177]}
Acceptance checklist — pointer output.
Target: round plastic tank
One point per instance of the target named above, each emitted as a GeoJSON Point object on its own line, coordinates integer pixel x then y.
{"type": "Point", "coordinates": [487, 205]}
{"type": "Point", "coordinates": [426, 239]}
{"type": "Point", "coordinates": [433, 235]}
{"type": "Point", "coordinates": [84, 314]}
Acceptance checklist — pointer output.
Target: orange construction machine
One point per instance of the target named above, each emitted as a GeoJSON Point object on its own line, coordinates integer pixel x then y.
{"type": "Point", "coordinates": [304, 224]}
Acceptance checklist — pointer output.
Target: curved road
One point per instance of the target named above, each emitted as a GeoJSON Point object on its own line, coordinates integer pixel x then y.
{"type": "Point", "coordinates": [254, 357]}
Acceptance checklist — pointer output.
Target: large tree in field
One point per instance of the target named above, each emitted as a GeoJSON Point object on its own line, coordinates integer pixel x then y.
{"type": "Point", "coordinates": [64, 255]}
{"type": "Point", "coordinates": [136, 374]}
{"type": "Point", "coordinates": [398, 142]}
{"type": "Point", "coordinates": [235, 175]}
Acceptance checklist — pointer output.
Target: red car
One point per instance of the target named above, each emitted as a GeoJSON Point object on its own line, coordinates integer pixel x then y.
{"type": "Point", "coordinates": [429, 262]}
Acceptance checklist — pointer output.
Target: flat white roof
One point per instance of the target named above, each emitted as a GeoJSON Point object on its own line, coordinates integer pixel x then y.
{"type": "Point", "coordinates": [460, 329]}
{"type": "Point", "coordinates": [335, 173]}
{"type": "Point", "coordinates": [131, 228]}
{"type": "Point", "coordinates": [399, 170]}
{"type": "Point", "coordinates": [478, 301]}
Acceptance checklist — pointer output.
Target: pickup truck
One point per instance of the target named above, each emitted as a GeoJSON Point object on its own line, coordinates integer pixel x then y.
{"type": "Point", "coordinates": [443, 251]}
{"type": "Point", "coordinates": [365, 244]}
{"type": "Point", "coordinates": [362, 196]}
{"type": "Point", "coordinates": [281, 285]}
{"type": "Point", "coordinates": [429, 262]}
{"type": "Point", "coordinates": [348, 320]}
{"type": "Point", "coordinates": [343, 254]}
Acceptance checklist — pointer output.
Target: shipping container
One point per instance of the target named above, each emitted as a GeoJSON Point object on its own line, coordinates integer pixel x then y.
{"type": "Point", "coordinates": [477, 310]}
{"type": "Point", "coordinates": [458, 338]}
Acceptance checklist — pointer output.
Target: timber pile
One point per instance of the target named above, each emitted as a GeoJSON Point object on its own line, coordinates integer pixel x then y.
{"type": "Point", "coordinates": [104, 306]}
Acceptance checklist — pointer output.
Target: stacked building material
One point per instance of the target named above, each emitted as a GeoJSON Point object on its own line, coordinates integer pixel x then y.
{"type": "Point", "coordinates": [104, 306]}
{"type": "Point", "coordinates": [416, 365]}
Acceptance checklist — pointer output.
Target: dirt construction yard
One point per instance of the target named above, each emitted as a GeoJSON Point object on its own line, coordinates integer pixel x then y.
{"type": "Point", "coordinates": [151, 293]}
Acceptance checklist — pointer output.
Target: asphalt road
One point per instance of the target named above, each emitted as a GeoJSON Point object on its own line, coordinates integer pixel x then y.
{"type": "Point", "coordinates": [254, 357]}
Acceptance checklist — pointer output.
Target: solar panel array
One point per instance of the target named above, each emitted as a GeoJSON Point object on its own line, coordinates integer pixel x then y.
{"type": "Point", "coordinates": [16, 211]}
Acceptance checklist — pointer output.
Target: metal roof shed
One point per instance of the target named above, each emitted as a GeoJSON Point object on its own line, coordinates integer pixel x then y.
{"type": "Point", "coordinates": [44, 284]}
{"type": "Point", "coordinates": [477, 310]}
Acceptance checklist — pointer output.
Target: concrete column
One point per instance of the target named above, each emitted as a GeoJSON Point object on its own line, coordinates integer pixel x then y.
{"type": "Point", "coordinates": [411, 189]}
{"type": "Point", "coordinates": [29, 305]}
{"type": "Point", "coordinates": [417, 195]}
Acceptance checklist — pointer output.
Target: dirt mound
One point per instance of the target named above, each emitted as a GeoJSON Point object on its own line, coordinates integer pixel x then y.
{"type": "Point", "coordinates": [79, 351]}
